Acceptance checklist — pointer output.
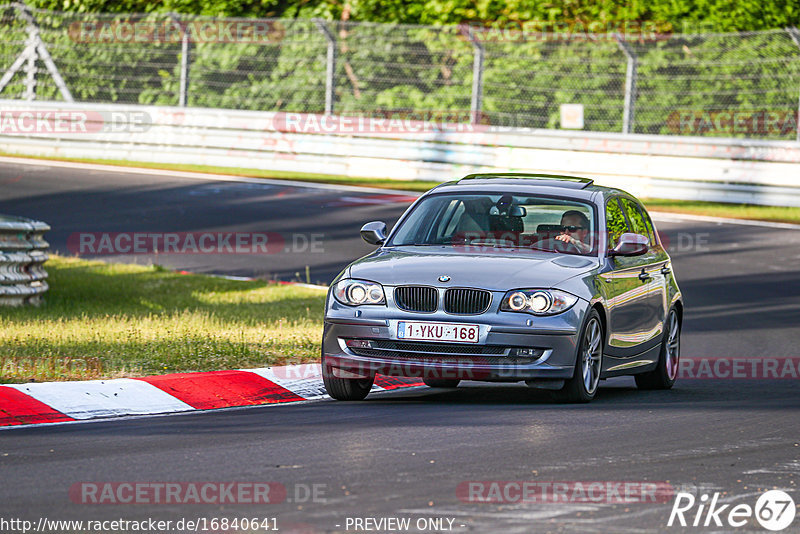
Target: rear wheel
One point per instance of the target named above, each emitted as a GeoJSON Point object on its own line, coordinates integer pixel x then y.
{"type": "Point", "coordinates": [665, 373]}
{"type": "Point", "coordinates": [441, 382]}
{"type": "Point", "coordinates": [345, 388]}
{"type": "Point", "coordinates": [582, 387]}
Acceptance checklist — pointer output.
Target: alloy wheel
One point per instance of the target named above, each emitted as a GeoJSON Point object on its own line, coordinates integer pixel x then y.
{"type": "Point", "coordinates": [592, 356]}
{"type": "Point", "coordinates": [673, 345]}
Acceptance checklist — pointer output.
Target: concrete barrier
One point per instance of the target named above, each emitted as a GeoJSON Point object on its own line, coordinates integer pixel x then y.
{"type": "Point", "coordinates": [689, 168]}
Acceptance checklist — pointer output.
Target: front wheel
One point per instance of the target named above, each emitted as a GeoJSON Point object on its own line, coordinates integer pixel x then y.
{"type": "Point", "coordinates": [665, 373]}
{"type": "Point", "coordinates": [346, 389]}
{"type": "Point", "coordinates": [582, 387]}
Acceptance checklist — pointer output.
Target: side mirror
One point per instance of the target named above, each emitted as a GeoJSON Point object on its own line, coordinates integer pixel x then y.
{"type": "Point", "coordinates": [374, 232]}
{"type": "Point", "coordinates": [631, 245]}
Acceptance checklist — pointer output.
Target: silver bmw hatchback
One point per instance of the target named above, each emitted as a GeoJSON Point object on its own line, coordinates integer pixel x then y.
{"type": "Point", "coordinates": [550, 280]}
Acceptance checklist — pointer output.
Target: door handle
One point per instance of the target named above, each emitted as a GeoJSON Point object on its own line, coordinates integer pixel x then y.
{"type": "Point", "coordinates": [665, 270]}
{"type": "Point", "coordinates": [644, 276]}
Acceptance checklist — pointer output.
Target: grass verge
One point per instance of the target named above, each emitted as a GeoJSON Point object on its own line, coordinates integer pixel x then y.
{"type": "Point", "coordinates": [102, 320]}
{"type": "Point", "coordinates": [693, 207]}
{"type": "Point", "coordinates": [730, 211]}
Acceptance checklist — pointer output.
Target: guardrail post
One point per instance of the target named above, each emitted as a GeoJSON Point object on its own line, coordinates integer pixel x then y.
{"type": "Point", "coordinates": [631, 74]}
{"type": "Point", "coordinates": [21, 59]}
{"type": "Point", "coordinates": [34, 49]}
{"type": "Point", "coordinates": [330, 71]}
{"type": "Point", "coordinates": [30, 70]}
{"type": "Point", "coordinates": [476, 102]}
{"type": "Point", "coordinates": [794, 33]}
{"type": "Point", "coordinates": [183, 94]}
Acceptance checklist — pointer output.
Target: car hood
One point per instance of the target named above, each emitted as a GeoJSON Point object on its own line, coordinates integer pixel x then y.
{"type": "Point", "coordinates": [499, 271]}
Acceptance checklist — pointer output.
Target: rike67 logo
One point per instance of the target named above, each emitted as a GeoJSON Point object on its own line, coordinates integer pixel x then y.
{"type": "Point", "coordinates": [774, 510]}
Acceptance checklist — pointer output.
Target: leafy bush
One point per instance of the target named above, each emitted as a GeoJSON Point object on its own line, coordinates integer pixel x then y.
{"type": "Point", "coordinates": [401, 67]}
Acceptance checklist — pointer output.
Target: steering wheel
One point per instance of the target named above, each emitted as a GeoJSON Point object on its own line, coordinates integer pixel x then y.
{"type": "Point", "coordinates": [567, 247]}
{"type": "Point", "coordinates": [556, 245]}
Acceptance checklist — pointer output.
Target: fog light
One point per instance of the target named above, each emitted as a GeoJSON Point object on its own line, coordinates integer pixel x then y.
{"type": "Point", "coordinates": [526, 352]}
{"type": "Point", "coordinates": [358, 343]}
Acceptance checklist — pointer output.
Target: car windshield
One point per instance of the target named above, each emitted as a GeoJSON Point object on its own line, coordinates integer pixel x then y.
{"type": "Point", "coordinates": [500, 221]}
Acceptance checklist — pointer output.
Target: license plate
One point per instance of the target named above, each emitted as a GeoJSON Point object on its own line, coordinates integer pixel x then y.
{"type": "Point", "coordinates": [461, 333]}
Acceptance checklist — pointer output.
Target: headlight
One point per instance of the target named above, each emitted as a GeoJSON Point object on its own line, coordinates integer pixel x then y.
{"type": "Point", "coordinates": [538, 301]}
{"type": "Point", "coordinates": [358, 292]}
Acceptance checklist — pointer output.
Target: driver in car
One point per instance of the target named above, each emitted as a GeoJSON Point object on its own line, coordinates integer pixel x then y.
{"type": "Point", "coordinates": [575, 229]}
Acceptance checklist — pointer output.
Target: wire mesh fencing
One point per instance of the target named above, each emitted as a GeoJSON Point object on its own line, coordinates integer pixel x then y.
{"type": "Point", "coordinates": [729, 85]}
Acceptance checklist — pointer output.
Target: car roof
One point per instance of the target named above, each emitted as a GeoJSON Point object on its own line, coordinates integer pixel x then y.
{"type": "Point", "coordinates": [546, 184]}
{"type": "Point", "coordinates": [552, 180]}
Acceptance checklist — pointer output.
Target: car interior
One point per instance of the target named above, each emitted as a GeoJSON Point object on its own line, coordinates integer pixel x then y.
{"type": "Point", "coordinates": [479, 222]}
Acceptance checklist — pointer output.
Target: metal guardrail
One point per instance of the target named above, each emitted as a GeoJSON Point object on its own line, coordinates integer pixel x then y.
{"type": "Point", "coordinates": [722, 170]}
{"type": "Point", "coordinates": [23, 250]}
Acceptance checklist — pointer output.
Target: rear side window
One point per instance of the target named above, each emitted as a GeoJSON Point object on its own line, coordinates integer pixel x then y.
{"type": "Point", "coordinates": [615, 221]}
{"type": "Point", "coordinates": [636, 219]}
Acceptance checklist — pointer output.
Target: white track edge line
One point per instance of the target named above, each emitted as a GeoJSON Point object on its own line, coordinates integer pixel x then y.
{"type": "Point", "coordinates": [332, 187]}
{"type": "Point", "coordinates": [203, 176]}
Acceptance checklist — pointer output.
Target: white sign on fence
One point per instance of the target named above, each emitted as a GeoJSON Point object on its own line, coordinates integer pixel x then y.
{"type": "Point", "coordinates": [572, 116]}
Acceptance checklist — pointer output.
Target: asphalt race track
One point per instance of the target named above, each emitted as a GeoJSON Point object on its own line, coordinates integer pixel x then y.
{"type": "Point", "coordinates": [404, 454]}
{"type": "Point", "coordinates": [319, 227]}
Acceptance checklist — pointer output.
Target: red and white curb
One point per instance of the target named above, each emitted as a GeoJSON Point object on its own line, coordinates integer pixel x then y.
{"type": "Point", "coordinates": [58, 402]}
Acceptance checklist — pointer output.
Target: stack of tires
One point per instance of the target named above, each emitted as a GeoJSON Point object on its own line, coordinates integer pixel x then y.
{"type": "Point", "coordinates": [23, 250]}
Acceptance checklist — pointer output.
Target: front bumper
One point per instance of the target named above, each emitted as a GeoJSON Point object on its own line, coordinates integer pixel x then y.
{"type": "Point", "coordinates": [493, 359]}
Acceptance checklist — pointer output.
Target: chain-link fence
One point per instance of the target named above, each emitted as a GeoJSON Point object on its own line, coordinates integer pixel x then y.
{"type": "Point", "coordinates": [729, 85]}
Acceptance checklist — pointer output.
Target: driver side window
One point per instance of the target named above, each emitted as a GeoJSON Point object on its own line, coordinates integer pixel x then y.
{"type": "Point", "coordinates": [615, 222]}
{"type": "Point", "coordinates": [635, 217]}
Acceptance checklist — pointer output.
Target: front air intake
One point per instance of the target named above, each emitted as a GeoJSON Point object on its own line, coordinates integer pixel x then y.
{"type": "Point", "coordinates": [417, 298]}
{"type": "Point", "coordinates": [458, 301]}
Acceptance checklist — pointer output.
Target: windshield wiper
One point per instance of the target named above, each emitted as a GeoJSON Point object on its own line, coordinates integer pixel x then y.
{"type": "Point", "coordinates": [418, 244]}
{"type": "Point", "coordinates": [493, 245]}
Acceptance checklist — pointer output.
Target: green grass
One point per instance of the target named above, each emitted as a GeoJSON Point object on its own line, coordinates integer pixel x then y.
{"type": "Point", "coordinates": [733, 211]}
{"type": "Point", "coordinates": [716, 209]}
{"type": "Point", "coordinates": [102, 320]}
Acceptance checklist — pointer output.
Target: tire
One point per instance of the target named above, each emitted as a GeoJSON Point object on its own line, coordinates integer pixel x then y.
{"type": "Point", "coordinates": [582, 387]}
{"type": "Point", "coordinates": [345, 389]}
{"type": "Point", "coordinates": [441, 382]}
{"type": "Point", "coordinates": [665, 373]}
